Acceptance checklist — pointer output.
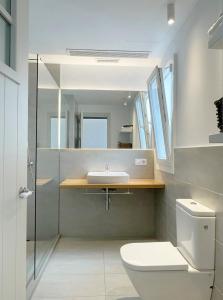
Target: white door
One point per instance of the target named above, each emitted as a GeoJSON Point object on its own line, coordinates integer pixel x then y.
{"type": "Point", "coordinates": [13, 209]}
{"type": "Point", "coordinates": [13, 153]}
{"type": "Point", "coordinates": [1, 179]}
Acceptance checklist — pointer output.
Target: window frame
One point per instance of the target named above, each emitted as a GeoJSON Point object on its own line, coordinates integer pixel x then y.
{"type": "Point", "coordinates": [168, 166]}
{"type": "Point", "coordinates": [142, 98]}
{"type": "Point", "coordinates": [167, 163]}
{"type": "Point", "coordinates": [139, 102]}
{"type": "Point", "coordinates": [10, 19]}
{"type": "Point", "coordinates": [147, 120]}
{"type": "Point", "coordinates": [157, 75]}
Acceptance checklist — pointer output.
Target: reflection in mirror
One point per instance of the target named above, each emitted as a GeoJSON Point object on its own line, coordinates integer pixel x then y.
{"type": "Point", "coordinates": [101, 119]}
{"type": "Point", "coordinates": [47, 118]}
{"type": "Point", "coordinates": [97, 126]}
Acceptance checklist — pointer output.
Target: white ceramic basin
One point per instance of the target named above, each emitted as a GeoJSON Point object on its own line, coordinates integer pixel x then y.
{"type": "Point", "coordinates": [108, 177]}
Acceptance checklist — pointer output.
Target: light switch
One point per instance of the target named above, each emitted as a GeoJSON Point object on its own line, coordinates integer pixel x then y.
{"type": "Point", "coordinates": [141, 162]}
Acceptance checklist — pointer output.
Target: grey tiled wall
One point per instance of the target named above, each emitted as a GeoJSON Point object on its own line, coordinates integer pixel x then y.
{"type": "Point", "coordinates": [84, 216]}
{"type": "Point", "coordinates": [76, 163]}
{"type": "Point", "coordinates": [198, 175]}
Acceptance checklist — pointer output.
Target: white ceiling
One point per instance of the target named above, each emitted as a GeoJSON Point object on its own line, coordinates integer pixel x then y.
{"type": "Point", "coordinates": [104, 77]}
{"type": "Point", "coordinates": [100, 97]}
{"type": "Point", "coordinates": [56, 25]}
{"type": "Point", "coordinates": [100, 24]}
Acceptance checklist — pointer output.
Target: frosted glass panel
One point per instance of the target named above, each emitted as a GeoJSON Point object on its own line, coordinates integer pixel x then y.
{"type": "Point", "coordinates": [157, 120]}
{"type": "Point", "coordinates": [95, 133]}
{"type": "Point", "coordinates": [5, 41]}
{"type": "Point", "coordinates": [6, 5]}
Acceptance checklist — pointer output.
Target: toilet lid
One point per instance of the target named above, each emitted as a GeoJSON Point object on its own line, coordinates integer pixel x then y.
{"type": "Point", "coordinates": [153, 256]}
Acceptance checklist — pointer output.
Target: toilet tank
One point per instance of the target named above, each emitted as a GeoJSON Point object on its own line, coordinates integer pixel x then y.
{"type": "Point", "coordinates": [196, 233]}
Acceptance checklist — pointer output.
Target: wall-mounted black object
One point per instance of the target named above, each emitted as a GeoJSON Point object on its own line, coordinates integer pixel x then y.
{"type": "Point", "coordinates": [219, 106]}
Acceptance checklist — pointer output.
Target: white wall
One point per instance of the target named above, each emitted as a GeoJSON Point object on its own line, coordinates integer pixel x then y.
{"type": "Point", "coordinates": [199, 76]}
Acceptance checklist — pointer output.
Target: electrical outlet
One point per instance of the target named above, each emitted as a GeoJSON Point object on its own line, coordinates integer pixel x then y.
{"type": "Point", "coordinates": [141, 162]}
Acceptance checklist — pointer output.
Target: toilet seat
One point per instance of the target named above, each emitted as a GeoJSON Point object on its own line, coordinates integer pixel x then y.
{"type": "Point", "coordinates": [158, 256]}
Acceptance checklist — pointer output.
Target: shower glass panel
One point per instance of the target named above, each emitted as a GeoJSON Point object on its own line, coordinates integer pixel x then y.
{"type": "Point", "coordinates": [43, 167]}
{"type": "Point", "coordinates": [31, 170]}
{"type": "Point", "coordinates": [47, 173]}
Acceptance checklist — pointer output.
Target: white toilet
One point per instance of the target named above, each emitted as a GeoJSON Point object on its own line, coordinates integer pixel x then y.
{"type": "Point", "coordinates": [160, 271]}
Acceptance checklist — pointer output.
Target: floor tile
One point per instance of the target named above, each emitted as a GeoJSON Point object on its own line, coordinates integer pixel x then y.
{"type": "Point", "coordinates": [113, 265]}
{"type": "Point", "coordinates": [121, 298]}
{"type": "Point", "coordinates": [70, 286]}
{"type": "Point", "coordinates": [76, 266]}
{"type": "Point", "coordinates": [88, 285]}
{"type": "Point", "coordinates": [89, 298]}
{"type": "Point", "coordinates": [73, 298]}
{"type": "Point", "coordinates": [86, 270]}
{"type": "Point", "coordinates": [35, 298]}
{"type": "Point", "coordinates": [72, 254]}
{"type": "Point", "coordinates": [53, 290]}
{"type": "Point", "coordinates": [71, 244]}
{"type": "Point", "coordinates": [119, 284]}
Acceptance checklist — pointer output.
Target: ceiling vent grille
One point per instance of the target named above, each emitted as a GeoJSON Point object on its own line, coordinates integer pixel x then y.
{"type": "Point", "coordinates": [108, 53]}
{"type": "Point", "coordinates": [108, 60]}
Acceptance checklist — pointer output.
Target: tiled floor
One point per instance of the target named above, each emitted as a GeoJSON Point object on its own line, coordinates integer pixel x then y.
{"type": "Point", "coordinates": [42, 249]}
{"type": "Point", "coordinates": [85, 270]}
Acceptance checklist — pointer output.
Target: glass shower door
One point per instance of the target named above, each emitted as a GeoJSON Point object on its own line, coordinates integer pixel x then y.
{"type": "Point", "coordinates": [43, 167]}
{"type": "Point", "coordinates": [47, 165]}
{"type": "Point", "coordinates": [31, 170]}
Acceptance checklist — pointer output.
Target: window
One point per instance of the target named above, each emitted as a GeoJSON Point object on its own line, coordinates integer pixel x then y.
{"type": "Point", "coordinates": [168, 89]}
{"type": "Point", "coordinates": [147, 119]}
{"type": "Point", "coordinates": [141, 124]}
{"type": "Point", "coordinates": [158, 114]}
{"type": "Point", "coordinates": [6, 4]}
{"type": "Point", "coordinates": [160, 90]}
{"type": "Point", "coordinates": [5, 32]}
{"type": "Point", "coordinates": [94, 132]}
{"type": "Point", "coordinates": [144, 120]}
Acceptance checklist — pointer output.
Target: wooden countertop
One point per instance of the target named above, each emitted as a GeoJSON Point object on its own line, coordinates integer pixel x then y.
{"type": "Point", "coordinates": [43, 181]}
{"type": "Point", "coordinates": [132, 184]}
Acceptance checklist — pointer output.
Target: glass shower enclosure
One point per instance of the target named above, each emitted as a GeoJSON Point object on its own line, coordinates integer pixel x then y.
{"type": "Point", "coordinates": [43, 166]}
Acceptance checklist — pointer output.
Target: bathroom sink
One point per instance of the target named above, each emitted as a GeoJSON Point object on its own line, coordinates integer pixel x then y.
{"type": "Point", "coordinates": [108, 177]}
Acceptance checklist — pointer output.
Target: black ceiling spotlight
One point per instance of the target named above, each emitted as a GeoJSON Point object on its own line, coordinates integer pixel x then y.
{"type": "Point", "coordinates": [219, 106]}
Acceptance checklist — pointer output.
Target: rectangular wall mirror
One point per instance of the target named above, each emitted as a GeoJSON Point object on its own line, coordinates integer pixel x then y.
{"type": "Point", "coordinates": [98, 119]}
